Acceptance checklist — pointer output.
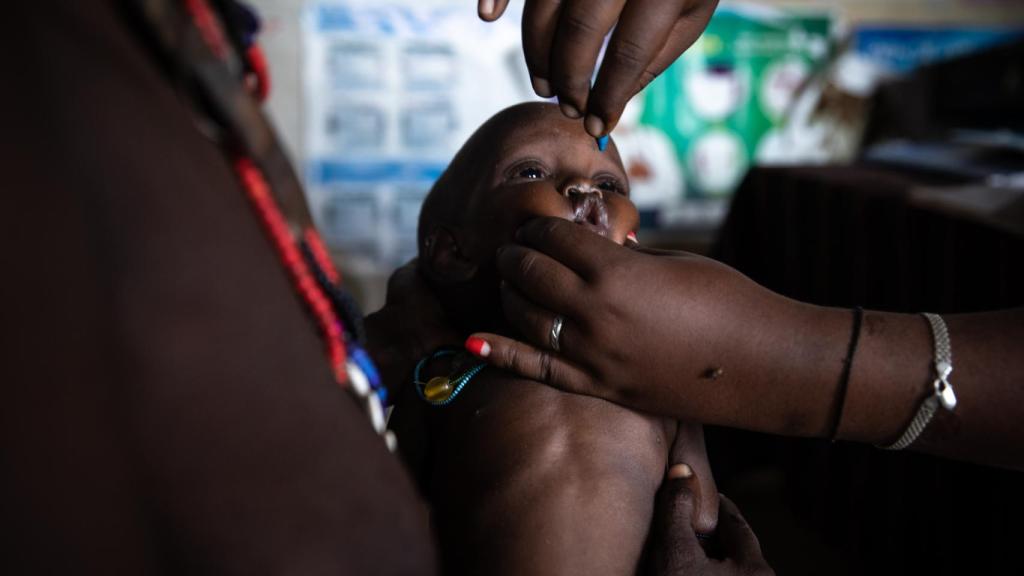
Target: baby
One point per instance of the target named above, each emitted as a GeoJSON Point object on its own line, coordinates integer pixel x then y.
{"type": "Point", "coordinates": [523, 478]}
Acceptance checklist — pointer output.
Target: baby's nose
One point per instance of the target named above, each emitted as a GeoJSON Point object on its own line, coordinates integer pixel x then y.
{"type": "Point", "coordinates": [577, 188]}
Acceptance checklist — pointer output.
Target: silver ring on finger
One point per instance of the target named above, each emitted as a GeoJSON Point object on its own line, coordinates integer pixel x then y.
{"type": "Point", "coordinates": [556, 333]}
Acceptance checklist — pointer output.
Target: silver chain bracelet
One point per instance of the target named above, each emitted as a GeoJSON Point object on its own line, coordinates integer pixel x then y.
{"type": "Point", "coordinates": [943, 394]}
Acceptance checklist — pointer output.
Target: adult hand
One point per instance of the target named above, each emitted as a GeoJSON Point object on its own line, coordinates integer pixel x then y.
{"type": "Point", "coordinates": [677, 551]}
{"type": "Point", "coordinates": [562, 40]}
{"type": "Point", "coordinates": [411, 324]}
{"type": "Point", "coordinates": [680, 336]}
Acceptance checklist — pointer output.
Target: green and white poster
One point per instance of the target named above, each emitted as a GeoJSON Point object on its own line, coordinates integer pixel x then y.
{"type": "Point", "coordinates": [726, 96]}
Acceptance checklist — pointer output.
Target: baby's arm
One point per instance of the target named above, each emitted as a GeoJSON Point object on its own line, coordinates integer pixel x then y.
{"type": "Point", "coordinates": [529, 480]}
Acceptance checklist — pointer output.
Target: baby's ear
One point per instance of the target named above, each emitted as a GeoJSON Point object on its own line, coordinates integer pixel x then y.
{"type": "Point", "coordinates": [443, 257]}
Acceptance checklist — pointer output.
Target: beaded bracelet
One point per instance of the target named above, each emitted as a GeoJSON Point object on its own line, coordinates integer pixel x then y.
{"type": "Point", "coordinates": [442, 390]}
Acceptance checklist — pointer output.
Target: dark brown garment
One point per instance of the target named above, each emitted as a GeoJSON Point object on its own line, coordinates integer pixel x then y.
{"type": "Point", "coordinates": [165, 404]}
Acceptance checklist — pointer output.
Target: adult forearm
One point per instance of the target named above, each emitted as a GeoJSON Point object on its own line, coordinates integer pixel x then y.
{"type": "Point", "coordinates": [787, 374]}
{"type": "Point", "coordinates": [687, 337]}
{"type": "Point", "coordinates": [893, 373]}
{"type": "Point", "coordinates": [773, 367]}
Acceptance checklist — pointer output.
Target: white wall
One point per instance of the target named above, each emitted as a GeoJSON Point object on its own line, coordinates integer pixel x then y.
{"type": "Point", "coordinates": [282, 42]}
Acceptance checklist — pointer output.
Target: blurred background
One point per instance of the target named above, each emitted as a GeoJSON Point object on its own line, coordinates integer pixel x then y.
{"type": "Point", "coordinates": [373, 97]}
{"type": "Point", "coordinates": [841, 152]}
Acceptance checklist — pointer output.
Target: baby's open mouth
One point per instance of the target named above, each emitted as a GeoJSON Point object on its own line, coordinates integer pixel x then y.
{"type": "Point", "coordinates": [589, 211]}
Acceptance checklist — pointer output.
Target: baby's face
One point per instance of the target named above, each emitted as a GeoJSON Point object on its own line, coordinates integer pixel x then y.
{"type": "Point", "coordinates": [547, 165]}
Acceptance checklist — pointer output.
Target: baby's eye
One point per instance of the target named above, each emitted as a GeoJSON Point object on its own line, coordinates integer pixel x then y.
{"type": "Point", "coordinates": [531, 173]}
{"type": "Point", "coordinates": [530, 169]}
{"type": "Point", "coordinates": [612, 185]}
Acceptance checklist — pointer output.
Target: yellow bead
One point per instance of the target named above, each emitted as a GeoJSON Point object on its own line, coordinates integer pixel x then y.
{"type": "Point", "coordinates": [438, 389]}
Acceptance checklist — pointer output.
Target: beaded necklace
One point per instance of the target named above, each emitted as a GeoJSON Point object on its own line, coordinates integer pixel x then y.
{"type": "Point", "coordinates": [208, 48]}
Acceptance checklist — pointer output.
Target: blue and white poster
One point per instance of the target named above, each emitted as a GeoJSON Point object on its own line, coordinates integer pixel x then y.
{"type": "Point", "coordinates": [392, 89]}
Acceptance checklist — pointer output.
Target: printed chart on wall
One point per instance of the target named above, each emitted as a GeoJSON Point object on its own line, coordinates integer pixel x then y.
{"type": "Point", "coordinates": [723, 102]}
{"type": "Point", "coordinates": [392, 89]}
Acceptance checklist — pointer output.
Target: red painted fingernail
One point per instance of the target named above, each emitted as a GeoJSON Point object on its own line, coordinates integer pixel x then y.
{"type": "Point", "coordinates": [478, 347]}
{"type": "Point", "coordinates": [632, 237]}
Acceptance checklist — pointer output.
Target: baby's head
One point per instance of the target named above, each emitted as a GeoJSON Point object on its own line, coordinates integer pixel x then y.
{"type": "Point", "coordinates": [526, 161]}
